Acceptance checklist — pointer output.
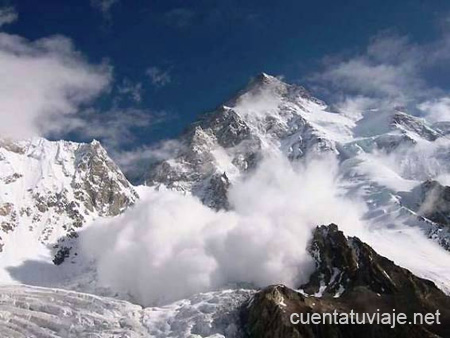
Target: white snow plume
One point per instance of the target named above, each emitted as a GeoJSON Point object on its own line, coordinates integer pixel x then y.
{"type": "Point", "coordinates": [170, 246]}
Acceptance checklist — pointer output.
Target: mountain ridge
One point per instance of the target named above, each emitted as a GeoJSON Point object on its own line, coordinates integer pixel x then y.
{"type": "Point", "coordinates": [50, 189]}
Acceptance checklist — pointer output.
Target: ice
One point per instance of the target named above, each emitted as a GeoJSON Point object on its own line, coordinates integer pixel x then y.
{"type": "Point", "coordinates": [45, 312]}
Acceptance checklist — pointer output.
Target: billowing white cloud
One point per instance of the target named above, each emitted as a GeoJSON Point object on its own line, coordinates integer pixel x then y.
{"type": "Point", "coordinates": [169, 245]}
{"type": "Point", "coordinates": [392, 71]}
{"type": "Point", "coordinates": [7, 15]}
{"type": "Point", "coordinates": [42, 83]}
{"type": "Point", "coordinates": [437, 109]}
{"type": "Point", "coordinates": [388, 69]}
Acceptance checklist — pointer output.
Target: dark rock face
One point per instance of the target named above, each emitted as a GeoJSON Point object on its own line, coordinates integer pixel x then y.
{"type": "Point", "coordinates": [349, 275]}
{"type": "Point", "coordinates": [99, 183]}
{"type": "Point", "coordinates": [228, 127]}
{"type": "Point", "coordinates": [194, 168]}
{"type": "Point", "coordinates": [233, 137]}
{"type": "Point", "coordinates": [413, 124]}
{"type": "Point", "coordinates": [71, 184]}
{"type": "Point", "coordinates": [434, 202]}
{"type": "Point", "coordinates": [100, 186]}
{"type": "Point", "coordinates": [215, 195]}
{"type": "Point", "coordinates": [345, 264]}
{"type": "Point", "coordinates": [431, 201]}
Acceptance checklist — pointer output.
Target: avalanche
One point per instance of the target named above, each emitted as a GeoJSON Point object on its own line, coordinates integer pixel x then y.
{"type": "Point", "coordinates": [49, 191]}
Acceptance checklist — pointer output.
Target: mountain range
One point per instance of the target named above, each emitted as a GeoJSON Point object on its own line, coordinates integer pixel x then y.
{"type": "Point", "coordinates": [395, 167]}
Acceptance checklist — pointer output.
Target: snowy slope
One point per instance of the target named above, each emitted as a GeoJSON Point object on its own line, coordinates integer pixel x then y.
{"type": "Point", "coordinates": [48, 191]}
{"type": "Point", "coordinates": [383, 155]}
{"type": "Point", "coordinates": [43, 312]}
{"type": "Point", "coordinates": [267, 116]}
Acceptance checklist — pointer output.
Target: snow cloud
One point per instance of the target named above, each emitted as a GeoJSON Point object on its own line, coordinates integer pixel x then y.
{"type": "Point", "coordinates": [42, 83]}
{"type": "Point", "coordinates": [170, 246]}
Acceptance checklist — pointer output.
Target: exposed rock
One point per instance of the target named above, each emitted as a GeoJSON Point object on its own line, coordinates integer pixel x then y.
{"type": "Point", "coordinates": [216, 194]}
{"type": "Point", "coordinates": [349, 275]}
{"type": "Point", "coordinates": [5, 209]}
{"type": "Point", "coordinates": [233, 138]}
{"type": "Point", "coordinates": [54, 188]}
{"type": "Point", "coordinates": [415, 125]}
{"type": "Point", "coordinates": [99, 183]}
{"type": "Point", "coordinates": [61, 255]}
{"type": "Point", "coordinates": [431, 201]}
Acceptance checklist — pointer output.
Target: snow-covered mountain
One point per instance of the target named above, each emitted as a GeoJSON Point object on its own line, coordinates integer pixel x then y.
{"type": "Point", "coordinates": [49, 190]}
{"type": "Point", "coordinates": [349, 276]}
{"type": "Point", "coordinates": [268, 115]}
{"type": "Point", "coordinates": [357, 277]}
{"type": "Point", "coordinates": [397, 165]}
{"type": "Point", "coordinates": [382, 153]}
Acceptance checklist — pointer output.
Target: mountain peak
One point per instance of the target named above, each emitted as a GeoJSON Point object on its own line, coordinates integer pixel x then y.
{"type": "Point", "coordinates": [264, 79]}
{"type": "Point", "coordinates": [265, 76]}
{"type": "Point", "coordinates": [261, 84]}
{"type": "Point", "coordinates": [52, 188]}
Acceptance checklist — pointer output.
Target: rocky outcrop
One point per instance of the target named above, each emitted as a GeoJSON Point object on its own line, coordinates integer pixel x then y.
{"type": "Point", "coordinates": [99, 183]}
{"type": "Point", "coordinates": [408, 123]}
{"type": "Point", "coordinates": [430, 201]}
{"type": "Point", "coordinates": [51, 189]}
{"type": "Point", "coordinates": [266, 115]}
{"type": "Point", "coordinates": [349, 275]}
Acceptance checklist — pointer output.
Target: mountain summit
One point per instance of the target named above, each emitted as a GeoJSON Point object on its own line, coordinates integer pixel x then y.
{"type": "Point", "coordinates": [388, 165]}
{"type": "Point", "coordinates": [267, 116]}
{"type": "Point", "coordinates": [50, 189]}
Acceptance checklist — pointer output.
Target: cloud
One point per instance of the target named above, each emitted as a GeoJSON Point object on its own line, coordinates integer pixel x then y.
{"type": "Point", "coordinates": [43, 83]}
{"type": "Point", "coordinates": [436, 109]}
{"type": "Point", "coordinates": [117, 129]}
{"type": "Point", "coordinates": [8, 15]}
{"type": "Point", "coordinates": [113, 127]}
{"type": "Point", "coordinates": [392, 71]}
{"type": "Point", "coordinates": [133, 90]}
{"type": "Point", "coordinates": [180, 17]}
{"type": "Point", "coordinates": [159, 77]}
{"type": "Point", "coordinates": [170, 245]}
{"type": "Point", "coordinates": [389, 69]}
{"type": "Point", "coordinates": [104, 6]}
{"type": "Point", "coordinates": [135, 163]}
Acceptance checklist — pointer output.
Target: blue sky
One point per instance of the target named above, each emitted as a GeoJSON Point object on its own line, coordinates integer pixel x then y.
{"type": "Point", "coordinates": [168, 61]}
